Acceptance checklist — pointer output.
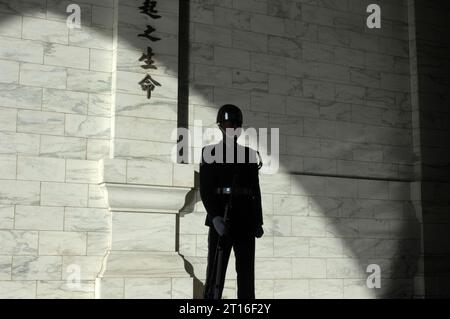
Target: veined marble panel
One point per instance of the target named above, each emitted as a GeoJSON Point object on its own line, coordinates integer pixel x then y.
{"type": "Point", "coordinates": [65, 101]}
{"type": "Point", "coordinates": [140, 231]}
{"type": "Point", "coordinates": [41, 168]}
{"type": "Point", "coordinates": [36, 268]}
{"type": "Point", "coordinates": [39, 217]}
{"type": "Point", "coordinates": [62, 243]}
{"type": "Point", "coordinates": [19, 242]}
{"type": "Point", "coordinates": [45, 30]}
{"type": "Point", "coordinates": [19, 192]}
{"type": "Point", "coordinates": [17, 289]}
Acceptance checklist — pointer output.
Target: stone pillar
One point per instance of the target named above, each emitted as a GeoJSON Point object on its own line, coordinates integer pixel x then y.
{"type": "Point", "coordinates": [142, 128]}
{"type": "Point", "coordinates": [144, 188]}
{"type": "Point", "coordinates": [143, 261]}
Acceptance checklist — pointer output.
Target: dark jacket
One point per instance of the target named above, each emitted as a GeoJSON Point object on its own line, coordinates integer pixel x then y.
{"type": "Point", "coordinates": [246, 214]}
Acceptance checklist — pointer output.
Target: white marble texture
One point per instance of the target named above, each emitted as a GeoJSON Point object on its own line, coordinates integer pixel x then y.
{"type": "Point", "coordinates": [39, 217]}
{"type": "Point", "coordinates": [112, 170]}
{"type": "Point", "coordinates": [131, 231]}
{"type": "Point", "coordinates": [326, 247]}
{"type": "Point", "coordinates": [309, 226]}
{"type": "Point", "coordinates": [128, 82]}
{"type": "Point", "coordinates": [278, 225]}
{"type": "Point", "coordinates": [138, 105]}
{"type": "Point", "coordinates": [144, 264]}
{"type": "Point", "coordinates": [183, 175]}
{"type": "Point", "coordinates": [88, 81]}
{"type": "Point", "coordinates": [182, 288]}
{"type": "Point", "coordinates": [307, 268]}
{"type": "Point", "coordinates": [345, 268]}
{"type": "Point", "coordinates": [89, 266]}
{"type": "Point", "coordinates": [100, 60]}
{"type": "Point", "coordinates": [65, 101]}
{"type": "Point", "coordinates": [326, 288]}
{"type": "Point", "coordinates": [357, 289]}
{"type": "Point", "coordinates": [264, 289]}
{"type": "Point", "coordinates": [144, 129]}
{"type": "Point", "coordinates": [8, 166]}
{"type": "Point", "coordinates": [36, 268]}
{"type": "Point", "coordinates": [290, 246]}
{"type": "Point", "coordinates": [6, 216]}
{"type": "Point", "coordinates": [291, 289]}
{"type": "Point", "coordinates": [10, 72]}
{"type": "Point", "coordinates": [97, 149]}
{"type": "Point", "coordinates": [265, 247]}
{"type": "Point", "coordinates": [21, 50]}
{"type": "Point", "coordinates": [5, 267]}
{"type": "Point", "coordinates": [63, 55]}
{"type": "Point", "coordinates": [43, 76]}
{"type": "Point", "coordinates": [187, 246]}
{"type": "Point", "coordinates": [59, 243]}
{"type": "Point", "coordinates": [18, 289]}
{"type": "Point", "coordinates": [45, 30]}
{"type": "Point", "coordinates": [40, 169]}
{"type": "Point", "coordinates": [148, 288]}
{"type": "Point", "coordinates": [91, 37]}
{"type": "Point", "coordinates": [96, 196]}
{"type": "Point", "coordinates": [290, 205]}
{"type": "Point", "coordinates": [21, 97]}
{"type": "Point", "coordinates": [98, 243]}
{"type": "Point", "coordinates": [110, 288]}
{"type": "Point", "coordinates": [64, 194]}
{"type": "Point", "coordinates": [19, 242]}
{"type": "Point", "coordinates": [8, 119]}
{"type": "Point", "coordinates": [63, 290]}
{"type": "Point", "coordinates": [148, 172]}
{"type": "Point", "coordinates": [40, 122]}
{"type": "Point", "coordinates": [193, 224]}
{"type": "Point", "coordinates": [81, 171]}
{"type": "Point", "coordinates": [20, 143]}
{"type": "Point", "coordinates": [100, 104]}
{"type": "Point", "coordinates": [23, 192]}
{"type": "Point", "coordinates": [61, 146]}
{"type": "Point", "coordinates": [273, 268]}
{"type": "Point", "coordinates": [87, 219]}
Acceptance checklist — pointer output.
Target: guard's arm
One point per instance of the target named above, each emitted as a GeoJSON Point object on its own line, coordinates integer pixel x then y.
{"type": "Point", "coordinates": [257, 200]}
{"type": "Point", "coordinates": [207, 186]}
{"type": "Point", "coordinates": [256, 189]}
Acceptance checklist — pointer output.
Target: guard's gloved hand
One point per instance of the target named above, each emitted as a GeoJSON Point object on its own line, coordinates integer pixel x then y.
{"type": "Point", "coordinates": [219, 225]}
{"type": "Point", "coordinates": [259, 232]}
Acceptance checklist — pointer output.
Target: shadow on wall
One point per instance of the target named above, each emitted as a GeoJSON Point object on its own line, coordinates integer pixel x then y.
{"type": "Point", "coordinates": [433, 67]}
{"type": "Point", "coordinates": [369, 230]}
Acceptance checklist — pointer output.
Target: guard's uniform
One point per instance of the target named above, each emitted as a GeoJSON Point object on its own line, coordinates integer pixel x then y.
{"type": "Point", "coordinates": [245, 217]}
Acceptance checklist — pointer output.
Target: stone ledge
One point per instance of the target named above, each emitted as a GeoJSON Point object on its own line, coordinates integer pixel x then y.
{"type": "Point", "coordinates": [144, 198]}
{"type": "Point", "coordinates": [145, 172]}
{"type": "Point", "coordinates": [144, 264]}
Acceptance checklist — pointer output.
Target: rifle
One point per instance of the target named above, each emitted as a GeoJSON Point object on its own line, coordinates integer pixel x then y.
{"type": "Point", "coordinates": [218, 257]}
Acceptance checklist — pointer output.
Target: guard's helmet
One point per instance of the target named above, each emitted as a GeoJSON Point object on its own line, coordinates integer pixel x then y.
{"type": "Point", "coordinates": [229, 112]}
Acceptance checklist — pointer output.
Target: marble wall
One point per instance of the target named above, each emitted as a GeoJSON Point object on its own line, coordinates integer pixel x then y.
{"type": "Point", "coordinates": [338, 92]}
{"type": "Point", "coordinates": [55, 106]}
{"type": "Point", "coordinates": [340, 95]}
